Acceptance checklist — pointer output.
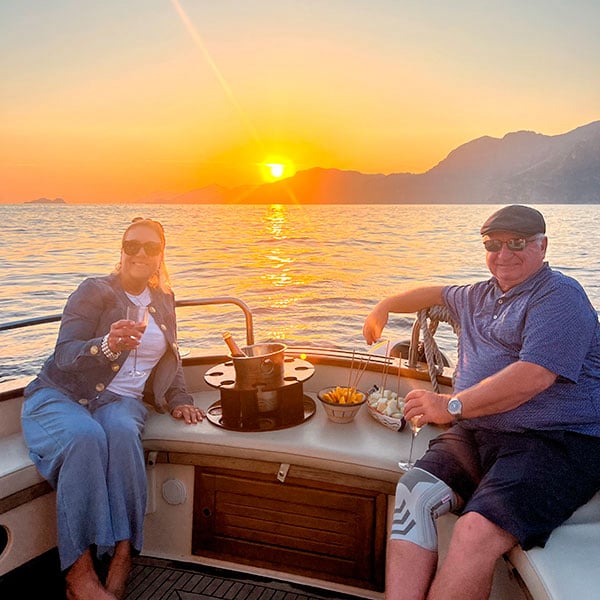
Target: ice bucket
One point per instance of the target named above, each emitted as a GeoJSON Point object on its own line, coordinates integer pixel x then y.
{"type": "Point", "coordinates": [262, 367]}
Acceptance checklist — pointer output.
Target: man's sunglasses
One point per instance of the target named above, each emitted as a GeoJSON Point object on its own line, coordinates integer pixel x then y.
{"type": "Point", "coordinates": [132, 247]}
{"type": "Point", "coordinates": [514, 244]}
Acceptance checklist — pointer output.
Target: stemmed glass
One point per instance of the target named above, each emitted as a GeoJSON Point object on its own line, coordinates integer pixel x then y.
{"type": "Point", "coordinates": [138, 314]}
{"type": "Point", "coordinates": [406, 465]}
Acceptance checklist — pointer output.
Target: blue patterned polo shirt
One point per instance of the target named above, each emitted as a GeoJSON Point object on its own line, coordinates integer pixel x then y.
{"type": "Point", "coordinates": [547, 320]}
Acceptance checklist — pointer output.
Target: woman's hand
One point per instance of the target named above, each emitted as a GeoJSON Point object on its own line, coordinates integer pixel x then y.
{"type": "Point", "coordinates": [189, 413]}
{"type": "Point", "coordinates": [123, 335]}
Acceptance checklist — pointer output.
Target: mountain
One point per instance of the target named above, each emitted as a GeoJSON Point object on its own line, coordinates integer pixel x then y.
{"type": "Point", "coordinates": [522, 167]}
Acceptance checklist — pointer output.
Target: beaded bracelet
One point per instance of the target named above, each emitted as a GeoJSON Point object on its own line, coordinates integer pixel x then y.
{"type": "Point", "coordinates": [112, 356]}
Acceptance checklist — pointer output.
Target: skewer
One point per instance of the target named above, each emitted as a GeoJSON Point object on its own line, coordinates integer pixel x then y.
{"type": "Point", "coordinates": [349, 389]}
{"type": "Point", "coordinates": [360, 371]}
{"type": "Point", "coordinates": [398, 379]}
{"type": "Point", "coordinates": [358, 366]}
{"type": "Point", "coordinates": [350, 373]}
{"type": "Point", "coordinates": [385, 366]}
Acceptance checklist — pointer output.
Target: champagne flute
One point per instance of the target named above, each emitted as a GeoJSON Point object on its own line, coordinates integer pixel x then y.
{"type": "Point", "coordinates": [138, 314]}
{"type": "Point", "coordinates": [406, 465]}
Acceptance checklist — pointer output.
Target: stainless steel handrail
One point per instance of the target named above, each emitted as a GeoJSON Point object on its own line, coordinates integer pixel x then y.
{"type": "Point", "coordinates": [226, 300]}
{"type": "Point", "coordinates": [413, 350]}
{"type": "Point", "coordinates": [183, 303]}
{"type": "Point", "coordinates": [29, 322]}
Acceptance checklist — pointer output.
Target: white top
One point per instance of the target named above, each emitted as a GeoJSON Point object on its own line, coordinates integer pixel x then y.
{"type": "Point", "coordinates": [152, 346]}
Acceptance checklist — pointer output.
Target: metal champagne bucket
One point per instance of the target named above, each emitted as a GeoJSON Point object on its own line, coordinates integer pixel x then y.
{"type": "Point", "coordinates": [262, 367]}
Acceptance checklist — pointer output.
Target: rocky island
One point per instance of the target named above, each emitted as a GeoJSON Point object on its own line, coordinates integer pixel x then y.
{"type": "Point", "coordinates": [47, 201]}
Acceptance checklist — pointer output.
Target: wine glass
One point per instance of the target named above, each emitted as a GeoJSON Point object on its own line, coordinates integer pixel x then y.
{"type": "Point", "coordinates": [406, 465]}
{"type": "Point", "coordinates": [138, 314]}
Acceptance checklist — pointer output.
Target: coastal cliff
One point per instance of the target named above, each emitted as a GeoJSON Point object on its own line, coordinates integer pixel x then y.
{"type": "Point", "coordinates": [522, 167]}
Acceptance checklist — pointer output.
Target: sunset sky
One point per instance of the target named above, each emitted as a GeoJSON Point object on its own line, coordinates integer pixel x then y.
{"type": "Point", "coordinates": [132, 100]}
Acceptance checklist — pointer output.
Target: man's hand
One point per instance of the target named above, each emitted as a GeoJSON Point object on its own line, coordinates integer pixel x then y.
{"type": "Point", "coordinates": [427, 407]}
{"type": "Point", "coordinates": [374, 324]}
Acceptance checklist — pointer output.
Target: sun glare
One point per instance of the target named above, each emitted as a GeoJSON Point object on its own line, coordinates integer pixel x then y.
{"type": "Point", "coordinates": [276, 168]}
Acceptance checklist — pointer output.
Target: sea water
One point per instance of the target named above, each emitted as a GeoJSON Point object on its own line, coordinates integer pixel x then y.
{"type": "Point", "coordinates": [310, 274]}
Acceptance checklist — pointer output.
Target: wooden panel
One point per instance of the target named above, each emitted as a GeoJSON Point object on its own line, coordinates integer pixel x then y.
{"type": "Point", "coordinates": [253, 466]}
{"type": "Point", "coordinates": [300, 526]}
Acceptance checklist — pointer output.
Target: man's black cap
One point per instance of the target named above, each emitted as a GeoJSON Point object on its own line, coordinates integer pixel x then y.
{"type": "Point", "coordinates": [515, 218]}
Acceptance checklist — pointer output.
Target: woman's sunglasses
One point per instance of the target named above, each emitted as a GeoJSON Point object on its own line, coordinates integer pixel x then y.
{"type": "Point", "coordinates": [514, 245]}
{"type": "Point", "coordinates": [132, 247]}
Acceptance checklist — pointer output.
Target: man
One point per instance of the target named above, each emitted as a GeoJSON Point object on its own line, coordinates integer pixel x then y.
{"type": "Point", "coordinates": [523, 451]}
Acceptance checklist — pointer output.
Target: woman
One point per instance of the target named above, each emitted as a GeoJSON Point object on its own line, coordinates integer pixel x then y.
{"type": "Point", "coordinates": [84, 414]}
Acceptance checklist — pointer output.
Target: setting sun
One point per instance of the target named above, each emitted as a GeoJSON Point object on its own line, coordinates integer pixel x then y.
{"type": "Point", "coordinates": [276, 167]}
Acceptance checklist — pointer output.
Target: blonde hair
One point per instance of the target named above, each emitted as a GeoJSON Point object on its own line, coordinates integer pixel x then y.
{"type": "Point", "coordinates": [159, 279]}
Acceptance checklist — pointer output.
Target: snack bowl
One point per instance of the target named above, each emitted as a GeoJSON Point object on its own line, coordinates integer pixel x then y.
{"type": "Point", "coordinates": [395, 423]}
{"type": "Point", "coordinates": [386, 407]}
{"type": "Point", "coordinates": [341, 412]}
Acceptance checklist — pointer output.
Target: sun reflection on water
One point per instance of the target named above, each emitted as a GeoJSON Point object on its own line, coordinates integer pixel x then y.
{"type": "Point", "coordinates": [275, 218]}
{"type": "Point", "coordinates": [276, 264]}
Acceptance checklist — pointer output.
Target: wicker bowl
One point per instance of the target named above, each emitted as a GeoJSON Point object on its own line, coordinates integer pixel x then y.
{"type": "Point", "coordinates": [340, 413]}
{"type": "Point", "coordinates": [389, 422]}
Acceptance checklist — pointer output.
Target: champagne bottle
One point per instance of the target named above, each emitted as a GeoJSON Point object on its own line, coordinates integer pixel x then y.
{"type": "Point", "coordinates": [233, 347]}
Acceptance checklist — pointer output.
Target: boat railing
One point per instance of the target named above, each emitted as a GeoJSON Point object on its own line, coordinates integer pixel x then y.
{"type": "Point", "coordinates": [179, 303]}
{"type": "Point", "coordinates": [225, 300]}
{"type": "Point", "coordinates": [413, 349]}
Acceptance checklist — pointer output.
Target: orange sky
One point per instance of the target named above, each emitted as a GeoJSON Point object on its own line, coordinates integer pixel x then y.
{"type": "Point", "coordinates": [119, 102]}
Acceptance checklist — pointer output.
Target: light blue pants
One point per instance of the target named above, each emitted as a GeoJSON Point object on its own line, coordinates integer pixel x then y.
{"type": "Point", "coordinates": [93, 457]}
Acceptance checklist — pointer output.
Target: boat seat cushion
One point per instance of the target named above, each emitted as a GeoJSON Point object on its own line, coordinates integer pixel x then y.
{"type": "Point", "coordinates": [17, 471]}
{"type": "Point", "coordinates": [567, 567]}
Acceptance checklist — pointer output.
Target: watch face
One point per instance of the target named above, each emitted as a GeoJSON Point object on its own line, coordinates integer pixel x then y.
{"type": "Point", "coordinates": [455, 406]}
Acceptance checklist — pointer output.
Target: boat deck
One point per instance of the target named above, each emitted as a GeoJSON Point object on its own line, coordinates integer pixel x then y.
{"type": "Point", "coordinates": [159, 579]}
{"type": "Point", "coordinates": [156, 579]}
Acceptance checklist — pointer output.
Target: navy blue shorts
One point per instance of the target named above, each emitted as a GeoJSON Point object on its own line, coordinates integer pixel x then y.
{"type": "Point", "coordinates": [525, 483]}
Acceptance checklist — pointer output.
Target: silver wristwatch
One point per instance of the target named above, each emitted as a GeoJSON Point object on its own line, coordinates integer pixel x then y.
{"type": "Point", "coordinates": [455, 407]}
